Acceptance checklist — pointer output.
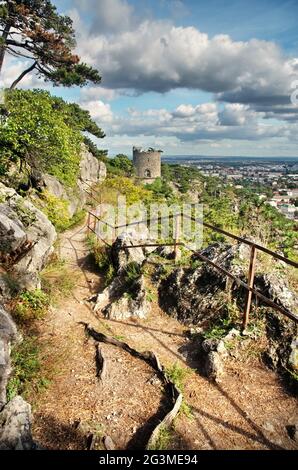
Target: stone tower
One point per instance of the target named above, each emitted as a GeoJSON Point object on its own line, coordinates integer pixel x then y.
{"type": "Point", "coordinates": [147, 164]}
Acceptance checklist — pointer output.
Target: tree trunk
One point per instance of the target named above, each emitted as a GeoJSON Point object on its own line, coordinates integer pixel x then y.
{"type": "Point", "coordinates": [2, 48]}
{"type": "Point", "coordinates": [28, 70]}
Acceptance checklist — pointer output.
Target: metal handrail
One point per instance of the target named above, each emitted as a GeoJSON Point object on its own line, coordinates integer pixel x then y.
{"type": "Point", "coordinates": [254, 247]}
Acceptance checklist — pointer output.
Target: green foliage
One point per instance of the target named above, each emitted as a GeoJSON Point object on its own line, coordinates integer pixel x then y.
{"type": "Point", "coordinates": [220, 327]}
{"type": "Point", "coordinates": [177, 375]}
{"type": "Point", "coordinates": [27, 372]}
{"type": "Point", "coordinates": [163, 440]}
{"type": "Point", "coordinates": [132, 272]}
{"type": "Point", "coordinates": [120, 165]}
{"type": "Point", "coordinates": [46, 37]}
{"type": "Point", "coordinates": [31, 305]}
{"type": "Point", "coordinates": [57, 212]}
{"type": "Point", "coordinates": [37, 136]}
{"type": "Point", "coordinates": [102, 256]}
{"type": "Point", "coordinates": [25, 214]}
{"type": "Point", "coordinates": [121, 185]}
{"type": "Point", "coordinates": [160, 189]}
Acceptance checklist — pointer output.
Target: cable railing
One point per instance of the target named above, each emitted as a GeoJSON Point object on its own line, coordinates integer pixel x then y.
{"type": "Point", "coordinates": [254, 248]}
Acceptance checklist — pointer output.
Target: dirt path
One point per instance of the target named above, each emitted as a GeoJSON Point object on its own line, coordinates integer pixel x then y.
{"type": "Point", "coordinates": [249, 409]}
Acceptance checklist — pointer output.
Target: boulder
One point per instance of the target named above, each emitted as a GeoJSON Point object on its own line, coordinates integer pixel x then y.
{"type": "Point", "coordinates": [212, 354]}
{"type": "Point", "coordinates": [12, 235]}
{"type": "Point", "coordinates": [27, 248]}
{"type": "Point", "coordinates": [121, 256]}
{"type": "Point", "coordinates": [130, 304]}
{"type": "Point", "coordinates": [282, 334]}
{"type": "Point", "coordinates": [8, 335]}
{"type": "Point", "coordinates": [15, 426]}
{"type": "Point", "coordinates": [92, 170]}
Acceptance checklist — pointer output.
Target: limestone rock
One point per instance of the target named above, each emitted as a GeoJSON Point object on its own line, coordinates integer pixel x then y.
{"type": "Point", "coordinates": [35, 231]}
{"type": "Point", "coordinates": [122, 257]}
{"type": "Point", "coordinates": [12, 236]}
{"type": "Point", "coordinates": [91, 169]}
{"type": "Point", "coordinates": [15, 426]}
{"type": "Point", "coordinates": [212, 355]}
{"type": "Point", "coordinates": [130, 304]}
{"type": "Point", "coordinates": [8, 335]}
{"type": "Point", "coordinates": [282, 334]}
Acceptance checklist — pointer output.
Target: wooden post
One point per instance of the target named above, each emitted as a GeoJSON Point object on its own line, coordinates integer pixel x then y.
{"type": "Point", "coordinates": [251, 278]}
{"type": "Point", "coordinates": [176, 237]}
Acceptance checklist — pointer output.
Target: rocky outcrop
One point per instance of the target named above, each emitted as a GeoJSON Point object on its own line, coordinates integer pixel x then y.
{"type": "Point", "coordinates": [27, 237]}
{"type": "Point", "coordinates": [194, 295]}
{"type": "Point", "coordinates": [125, 297]}
{"type": "Point", "coordinates": [8, 335]}
{"type": "Point", "coordinates": [130, 304]}
{"type": "Point", "coordinates": [15, 426]}
{"type": "Point", "coordinates": [122, 256]}
{"type": "Point", "coordinates": [282, 334]}
{"type": "Point", "coordinates": [92, 170]}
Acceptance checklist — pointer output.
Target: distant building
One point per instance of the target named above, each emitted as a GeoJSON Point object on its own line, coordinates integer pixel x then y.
{"type": "Point", "coordinates": [147, 164]}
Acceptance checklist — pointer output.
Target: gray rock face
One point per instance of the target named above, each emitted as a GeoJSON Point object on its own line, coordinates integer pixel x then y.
{"type": "Point", "coordinates": [282, 334]}
{"type": "Point", "coordinates": [129, 305]}
{"type": "Point", "coordinates": [91, 169]}
{"type": "Point", "coordinates": [8, 335]}
{"type": "Point", "coordinates": [123, 257]}
{"type": "Point", "coordinates": [34, 239]}
{"type": "Point", "coordinates": [212, 356]}
{"type": "Point", "coordinates": [195, 294]}
{"type": "Point", "coordinates": [15, 426]}
{"type": "Point", "coordinates": [192, 294]}
{"type": "Point", "coordinates": [123, 298]}
{"type": "Point", "coordinates": [11, 234]}
{"type": "Point", "coordinates": [75, 201]}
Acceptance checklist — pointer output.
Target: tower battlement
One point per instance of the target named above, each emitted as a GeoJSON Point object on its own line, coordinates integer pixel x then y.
{"type": "Point", "coordinates": [147, 163]}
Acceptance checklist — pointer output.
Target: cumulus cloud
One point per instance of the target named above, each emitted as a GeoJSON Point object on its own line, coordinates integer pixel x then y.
{"type": "Point", "coordinates": [157, 56]}
{"type": "Point", "coordinates": [187, 123]}
{"type": "Point", "coordinates": [99, 110]}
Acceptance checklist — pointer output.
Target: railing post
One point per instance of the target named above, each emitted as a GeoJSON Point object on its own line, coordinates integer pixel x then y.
{"type": "Point", "coordinates": [94, 226]}
{"type": "Point", "coordinates": [176, 237]}
{"type": "Point", "coordinates": [251, 278]}
{"type": "Point", "coordinates": [88, 223]}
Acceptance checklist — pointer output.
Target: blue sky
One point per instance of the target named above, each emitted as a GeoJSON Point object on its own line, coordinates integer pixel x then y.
{"type": "Point", "coordinates": [193, 77]}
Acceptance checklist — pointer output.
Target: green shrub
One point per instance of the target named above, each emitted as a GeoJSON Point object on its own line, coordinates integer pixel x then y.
{"type": "Point", "coordinates": [26, 365]}
{"type": "Point", "coordinates": [177, 375]}
{"type": "Point", "coordinates": [57, 211]}
{"type": "Point", "coordinates": [102, 256]}
{"type": "Point", "coordinates": [31, 305]}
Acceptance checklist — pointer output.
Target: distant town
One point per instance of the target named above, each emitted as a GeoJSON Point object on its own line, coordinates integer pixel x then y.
{"type": "Point", "coordinates": [275, 181]}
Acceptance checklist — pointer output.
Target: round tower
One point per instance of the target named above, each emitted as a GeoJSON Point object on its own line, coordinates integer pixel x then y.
{"type": "Point", "coordinates": [147, 164]}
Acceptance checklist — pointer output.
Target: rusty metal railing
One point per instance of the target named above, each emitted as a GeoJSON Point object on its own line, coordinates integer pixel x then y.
{"type": "Point", "coordinates": [254, 248]}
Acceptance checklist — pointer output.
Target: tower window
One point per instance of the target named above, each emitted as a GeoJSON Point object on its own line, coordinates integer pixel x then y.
{"type": "Point", "coordinates": [147, 174]}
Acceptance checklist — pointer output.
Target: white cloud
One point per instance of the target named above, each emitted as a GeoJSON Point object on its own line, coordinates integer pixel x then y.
{"type": "Point", "coordinates": [99, 111]}
{"type": "Point", "coordinates": [157, 56]}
